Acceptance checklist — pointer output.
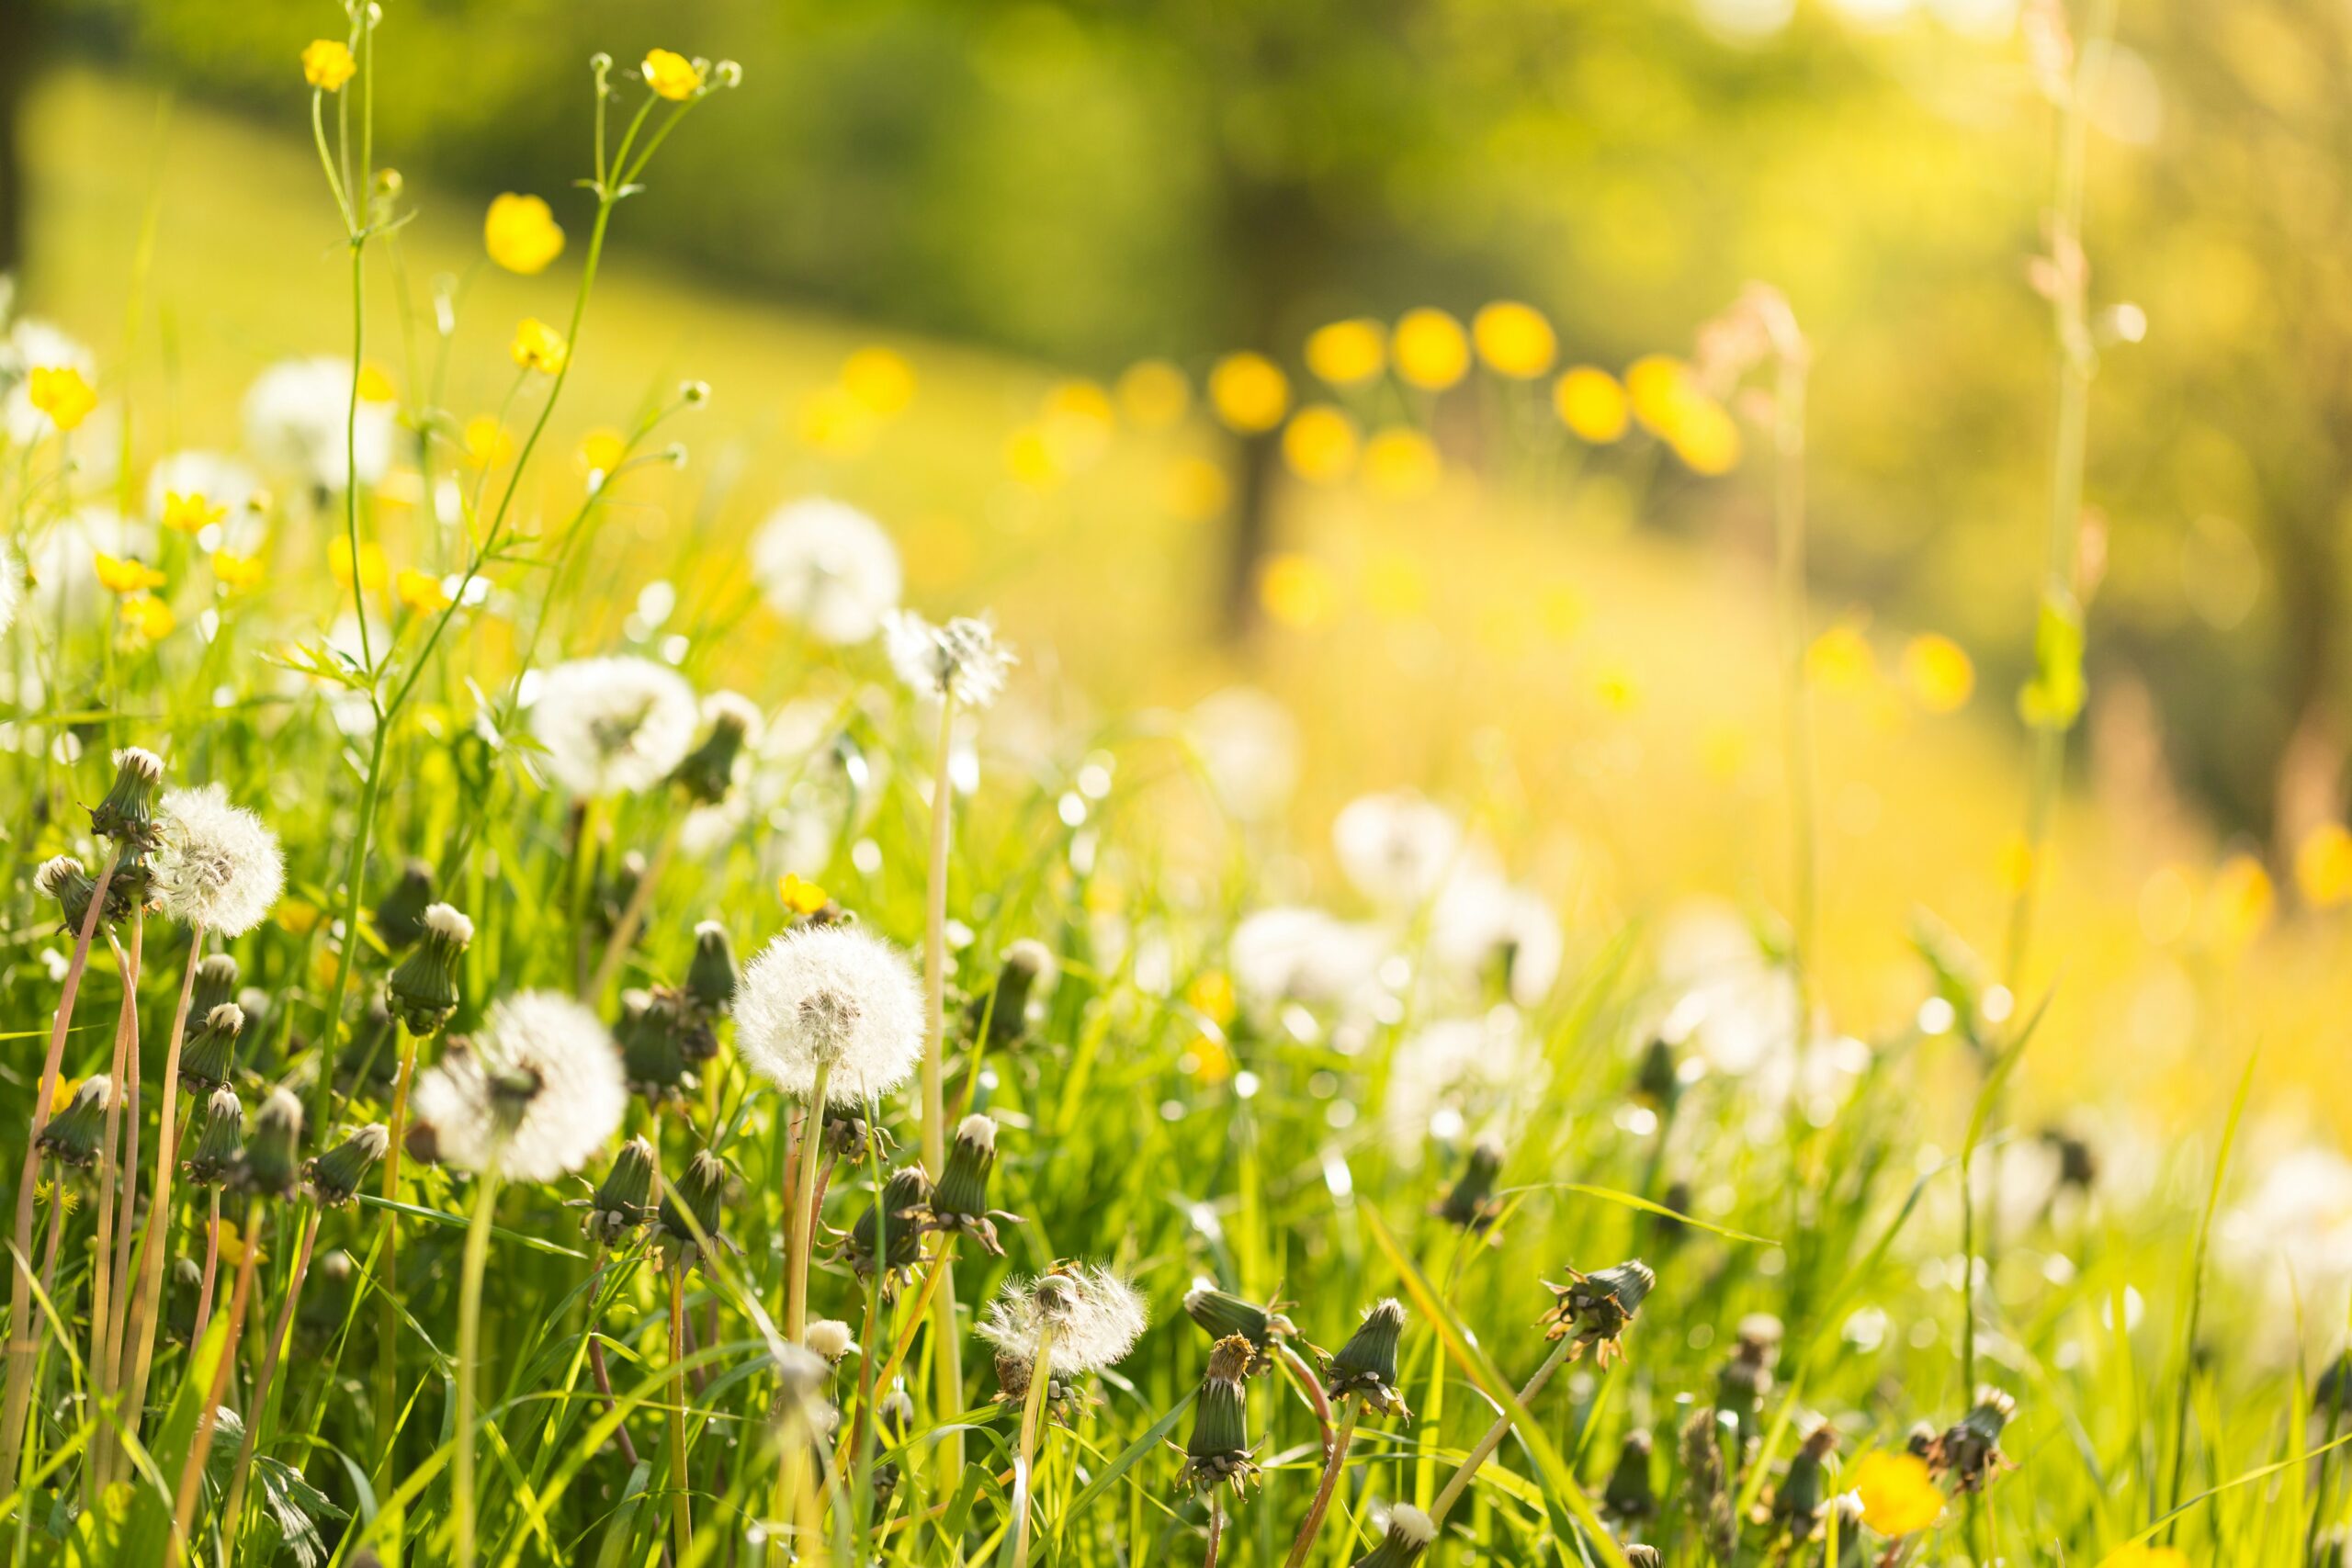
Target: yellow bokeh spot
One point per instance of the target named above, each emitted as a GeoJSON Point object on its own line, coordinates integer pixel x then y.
{"type": "Point", "coordinates": [327, 64]}
{"type": "Point", "coordinates": [1079, 421]}
{"type": "Point", "coordinates": [1706, 438]}
{"type": "Point", "coordinates": [2239, 903]}
{"type": "Point", "coordinates": [1563, 610]}
{"type": "Point", "coordinates": [1401, 464]}
{"type": "Point", "coordinates": [1430, 349]}
{"type": "Point", "coordinates": [521, 234]}
{"type": "Point", "coordinates": [148, 617]}
{"type": "Point", "coordinates": [880, 378]}
{"type": "Point", "coordinates": [233, 1245]}
{"type": "Point", "coordinates": [832, 420]}
{"type": "Point", "coordinates": [2015, 865]}
{"type": "Point", "coordinates": [375, 570]}
{"type": "Point", "coordinates": [1196, 489]}
{"type": "Point", "coordinates": [376, 384]}
{"type": "Point", "coordinates": [1154, 394]}
{"type": "Point", "coordinates": [1669, 401]}
{"type": "Point", "coordinates": [1937, 673]}
{"type": "Point", "coordinates": [1842, 660]}
{"type": "Point", "coordinates": [1211, 1059]}
{"type": "Point", "coordinates": [122, 574]}
{"type": "Point", "coordinates": [2323, 866]}
{"type": "Point", "coordinates": [800, 895]}
{"type": "Point", "coordinates": [1722, 751]}
{"type": "Point", "coordinates": [539, 346]}
{"type": "Point", "coordinates": [191, 513]}
{"type": "Point", "coordinates": [1250, 392]}
{"type": "Point", "coordinates": [1320, 445]}
{"type": "Point", "coordinates": [1029, 457]}
{"type": "Point", "coordinates": [1347, 352]}
{"type": "Point", "coordinates": [235, 572]}
{"type": "Point", "coordinates": [1591, 405]}
{"type": "Point", "coordinates": [489, 444]}
{"type": "Point", "coordinates": [1899, 1497]}
{"type": "Point", "coordinates": [1211, 996]}
{"type": "Point", "coordinates": [1297, 590]}
{"type": "Point", "coordinates": [1617, 688]}
{"type": "Point", "coordinates": [601, 451]}
{"type": "Point", "coordinates": [1514, 339]}
{"type": "Point", "coordinates": [1396, 588]}
{"type": "Point", "coordinates": [421, 592]}
{"type": "Point", "coordinates": [297, 917]}
{"type": "Point", "coordinates": [670, 74]}
{"type": "Point", "coordinates": [59, 392]}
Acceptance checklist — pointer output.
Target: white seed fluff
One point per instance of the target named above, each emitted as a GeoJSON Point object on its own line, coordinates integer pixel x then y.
{"type": "Point", "coordinates": [537, 1095]}
{"type": "Point", "coordinates": [829, 1338]}
{"type": "Point", "coordinates": [829, 567]}
{"type": "Point", "coordinates": [447, 921]}
{"type": "Point", "coordinates": [835, 995]}
{"type": "Point", "coordinates": [962, 658]}
{"type": "Point", "coordinates": [295, 416]}
{"type": "Point", "coordinates": [1094, 1314]}
{"type": "Point", "coordinates": [1397, 849]}
{"type": "Point", "coordinates": [614, 725]}
{"type": "Point", "coordinates": [1411, 1526]}
{"type": "Point", "coordinates": [219, 866]}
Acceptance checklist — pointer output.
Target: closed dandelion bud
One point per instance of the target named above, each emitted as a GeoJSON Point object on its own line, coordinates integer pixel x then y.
{"type": "Point", "coordinates": [1029, 967]}
{"type": "Point", "coordinates": [1218, 1453]}
{"type": "Point", "coordinates": [127, 813]}
{"type": "Point", "coordinates": [1366, 1365]}
{"type": "Point", "coordinates": [1223, 1313]}
{"type": "Point", "coordinates": [711, 978]}
{"type": "Point", "coordinates": [1408, 1534]}
{"type": "Point", "coordinates": [688, 1217]}
{"type": "Point", "coordinates": [179, 1309]}
{"type": "Point", "coordinates": [1849, 1509]}
{"type": "Point", "coordinates": [209, 1058]}
{"type": "Point", "coordinates": [1631, 1496]}
{"type": "Point", "coordinates": [1796, 1506]}
{"type": "Point", "coordinates": [335, 1175]}
{"type": "Point", "coordinates": [651, 1058]}
{"type": "Point", "coordinates": [64, 879]}
{"type": "Point", "coordinates": [623, 1199]}
{"type": "Point", "coordinates": [1746, 1379]}
{"type": "Point", "coordinates": [423, 992]}
{"type": "Point", "coordinates": [1597, 1308]}
{"type": "Point", "coordinates": [1705, 1496]}
{"type": "Point", "coordinates": [1658, 1081]}
{"type": "Point", "coordinates": [1471, 1205]}
{"type": "Point", "coordinates": [709, 769]}
{"type": "Point", "coordinates": [272, 1161]}
{"type": "Point", "coordinates": [1667, 1232]}
{"type": "Point", "coordinates": [72, 1136]}
{"type": "Point", "coordinates": [850, 1137]}
{"type": "Point", "coordinates": [219, 1140]}
{"type": "Point", "coordinates": [888, 1235]}
{"type": "Point", "coordinates": [2077, 1161]}
{"type": "Point", "coordinates": [216, 982]}
{"type": "Point", "coordinates": [400, 918]}
{"type": "Point", "coordinates": [960, 1202]}
{"type": "Point", "coordinates": [1970, 1451]}
{"type": "Point", "coordinates": [830, 1338]}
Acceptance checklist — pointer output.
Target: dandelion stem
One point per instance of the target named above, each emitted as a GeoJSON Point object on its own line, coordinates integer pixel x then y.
{"type": "Point", "coordinates": [802, 1238]}
{"type": "Point", "coordinates": [947, 1366]}
{"type": "Point", "coordinates": [1493, 1439]}
{"type": "Point", "coordinates": [1033, 1410]}
{"type": "Point", "coordinates": [388, 1328]}
{"type": "Point", "coordinates": [257, 1408]}
{"type": "Point", "coordinates": [105, 1276]}
{"type": "Point", "coordinates": [201, 1447]}
{"type": "Point", "coordinates": [211, 1263]}
{"type": "Point", "coordinates": [477, 1260]}
{"type": "Point", "coordinates": [1335, 1460]}
{"type": "Point", "coordinates": [1217, 1531]}
{"type": "Point", "coordinates": [632, 919]}
{"type": "Point", "coordinates": [682, 1528]}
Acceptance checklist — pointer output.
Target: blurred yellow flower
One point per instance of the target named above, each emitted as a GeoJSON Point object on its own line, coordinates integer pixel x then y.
{"type": "Point", "coordinates": [521, 234]}
{"type": "Point", "coordinates": [1153, 394]}
{"type": "Point", "coordinates": [327, 64]}
{"type": "Point", "coordinates": [1211, 995]}
{"type": "Point", "coordinates": [879, 378]}
{"type": "Point", "coordinates": [1563, 610]}
{"type": "Point", "coordinates": [67, 1087]}
{"type": "Point", "coordinates": [2014, 865]}
{"type": "Point", "coordinates": [376, 384]}
{"type": "Point", "coordinates": [1396, 589]}
{"type": "Point", "coordinates": [59, 392]}
{"type": "Point", "coordinates": [1669, 401]}
{"type": "Point", "coordinates": [122, 574]}
{"type": "Point", "coordinates": [1898, 1496]}
{"type": "Point", "coordinates": [1029, 457]}
{"type": "Point", "coordinates": [1250, 392]}
{"type": "Point", "coordinates": [489, 444]}
{"type": "Point", "coordinates": [1842, 660]}
{"type": "Point", "coordinates": [801, 896]}
{"type": "Point", "coordinates": [1401, 464]}
{"type": "Point", "coordinates": [421, 592]}
{"type": "Point", "coordinates": [539, 346]}
{"type": "Point", "coordinates": [1514, 339]}
{"type": "Point", "coordinates": [1297, 590]}
{"type": "Point", "coordinates": [233, 1245]}
{"type": "Point", "coordinates": [2323, 866]}
{"type": "Point", "coordinates": [1937, 673]}
{"type": "Point", "coordinates": [1346, 353]}
{"type": "Point", "coordinates": [1320, 443]}
{"type": "Point", "coordinates": [601, 450]}
{"type": "Point", "coordinates": [1591, 405]}
{"type": "Point", "coordinates": [1431, 350]}
{"type": "Point", "coordinates": [671, 75]}
{"type": "Point", "coordinates": [148, 615]}
{"type": "Point", "coordinates": [1657, 384]}
{"type": "Point", "coordinates": [2238, 904]}
{"type": "Point", "coordinates": [297, 917]}
{"type": "Point", "coordinates": [190, 511]}
{"type": "Point", "coordinates": [1706, 437]}
{"type": "Point", "coordinates": [832, 420]}
{"type": "Point", "coordinates": [235, 572]}
{"type": "Point", "coordinates": [1211, 1060]}
{"type": "Point", "coordinates": [1196, 489]}
{"type": "Point", "coordinates": [2136, 1555]}
{"type": "Point", "coordinates": [1617, 688]}
{"type": "Point", "coordinates": [375, 570]}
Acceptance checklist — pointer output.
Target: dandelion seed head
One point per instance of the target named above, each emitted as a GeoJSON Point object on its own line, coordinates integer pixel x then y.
{"type": "Point", "coordinates": [614, 725]}
{"type": "Point", "coordinates": [533, 1095]}
{"type": "Point", "coordinates": [1397, 849]}
{"type": "Point", "coordinates": [296, 414]}
{"type": "Point", "coordinates": [961, 659]}
{"type": "Point", "coordinates": [1093, 1315]}
{"type": "Point", "coordinates": [835, 995]}
{"type": "Point", "coordinates": [1413, 1526]}
{"type": "Point", "coordinates": [829, 567]}
{"type": "Point", "coordinates": [829, 1338]}
{"type": "Point", "coordinates": [445, 921]}
{"type": "Point", "coordinates": [219, 867]}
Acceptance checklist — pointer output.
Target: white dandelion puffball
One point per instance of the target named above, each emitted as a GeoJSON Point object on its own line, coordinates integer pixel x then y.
{"type": "Point", "coordinates": [222, 484]}
{"type": "Point", "coordinates": [830, 996]}
{"type": "Point", "coordinates": [1292, 953]}
{"type": "Point", "coordinates": [535, 1095]}
{"type": "Point", "coordinates": [1479, 919]}
{"type": "Point", "coordinates": [1249, 745]}
{"type": "Point", "coordinates": [614, 725]}
{"type": "Point", "coordinates": [1397, 849]}
{"type": "Point", "coordinates": [829, 567]}
{"type": "Point", "coordinates": [962, 658]}
{"type": "Point", "coordinates": [33, 346]}
{"type": "Point", "coordinates": [1094, 1316]}
{"type": "Point", "coordinates": [219, 866]}
{"type": "Point", "coordinates": [295, 417]}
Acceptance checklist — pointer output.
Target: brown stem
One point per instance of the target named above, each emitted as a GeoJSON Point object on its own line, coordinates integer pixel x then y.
{"type": "Point", "coordinates": [201, 1447]}
{"type": "Point", "coordinates": [211, 1264]}
{"type": "Point", "coordinates": [1216, 1530]}
{"type": "Point", "coordinates": [605, 1386]}
{"type": "Point", "coordinates": [103, 1277]}
{"type": "Point", "coordinates": [257, 1408]}
{"type": "Point", "coordinates": [1335, 1462]}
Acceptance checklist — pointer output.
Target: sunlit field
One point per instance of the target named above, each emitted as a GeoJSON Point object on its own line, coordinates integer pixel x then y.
{"type": "Point", "coordinates": [1560, 1044]}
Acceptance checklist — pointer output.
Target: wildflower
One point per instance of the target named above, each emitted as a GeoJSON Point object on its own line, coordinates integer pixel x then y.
{"type": "Point", "coordinates": [189, 493]}
{"type": "Point", "coordinates": [532, 1098]}
{"type": "Point", "coordinates": [708, 771]}
{"type": "Point", "coordinates": [1796, 1504]}
{"type": "Point", "coordinates": [1597, 1308]}
{"type": "Point", "coordinates": [1320, 445]}
{"type": "Point", "coordinates": [1472, 1204]}
{"type": "Point", "coordinates": [1082, 1317]}
{"type": "Point", "coordinates": [1347, 352]}
{"type": "Point", "coordinates": [235, 572]}
{"type": "Point", "coordinates": [831, 1001]}
{"type": "Point", "coordinates": [59, 392]}
{"type": "Point", "coordinates": [622, 1199]}
{"type": "Point", "coordinates": [1591, 405]}
{"type": "Point", "coordinates": [539, 346]}
{"type": "Point", "coordinates": [1937, 673]}
{"type": "Point", "coordinates": [888, 1235]}
{"type": "Point", "coordinates": [1397, 849]}
{"type": "Point", "coordinates": [1638, 1555]}
{"type": "Point", "coordinates": [216, 982]}
{"type": "Point", "coordinates": [652, 1060]}
{"type": "Point", "coordinates": [618, 725]}
{"type": "Point", "coordinates": [961, 659]}
{"type": "Point", "coordinates": [147, 616]}
{"type": "Point", "coordinates": [294, 416]}
{"type": "Point", "coordinates": [421, 592]}
{"type": "Point", "coordinates": [1514, 339]}
{"type": "Point", "coordinates": [687, 1220]}
{"type": "Point", "coordinates": [1430, 349]}
{"type": "Point", "coordinates": [521, 234]}
{"type": "Point", "coordinates": [72, 1136]}
{"type": "Point", "coordinates": [829, 567]}
{"type": "Point", "coordinates": [960, 1203]}
{"type": "Point", "coordinates": [271, 1162]}
{"type": "Point", "coordinates": [335, 1176]}
{"type": "Point", "coordinates": [126, 814]}
{"type": "Point", "coordinates": [399, 916]}
{"type": "Point", "coordinates": [1631, 1495]}
{"type": "Point", "coordinates": [1028, 964]}
{"type": "Point", "coordinates": [1224, 1315]}
{"type": "Point", "coordinates": [671, 75]}
{"type": "Point", "coordinates": [118, 575]}
{"type": "Point", "coordinates": [209, 1057]}
{"type": "Point", "coordinates": [1899, 1495]}
{"type": "Point", "coordinates": [327, 64]}
{"type": "Point", "coordinates": [1366, 1365]}
{"type": "Point", "coordinates": [711, 979]}
{"type": "Point", "coordinates": [804, 897]}
{"type": "Point", "coordinates": [830, 1339]}
{"type": "Point", "coordinates": [1408, 1534]}
{"type": "Point", "coordinates": [1250, 392]}
{"type": "Point", "coordinates": [1746, 1379]}
{"type": "Point", "coordinates": [423, 991]}
{"type": "Point", "coordinates": [1218, 1451]}
{"type": "Point", "coordinates": [1971, 1450]}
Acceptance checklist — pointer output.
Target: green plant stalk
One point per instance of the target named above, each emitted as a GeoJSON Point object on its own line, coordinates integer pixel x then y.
{"type": "Point", "coordinates": [211, 1260]}
{"type": "Point", "coordinates": [200, 1448]}
{"type": "Point", "coordinates": [681, 1527]}
{"type": "Point", "coordinates": [257, 1408]}
{"type": "Point", "coordinates": [1495, 1434]}
{"type": "Point", "coordinates": [802, 1238]}
{"type": "Point", "coordinates": [947, 1362]}
{"type": "Point", "coordinates": [1335, 1461]}
{"type": "Point", "coordinates": [1032, 1411]}
{"type": "Point", "coordinates": [387, 1358]}
{"type": "Point", "coordinates": [103, 1272]}
{"type": "Point", "coordinates": [477, 1260]}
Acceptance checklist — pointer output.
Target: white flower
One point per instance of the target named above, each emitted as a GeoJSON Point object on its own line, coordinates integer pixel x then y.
{"type": "Point", "coordinates": [614, 725]}
{"type": "Point", "coordinates": [534, 1097]}
{"type": "Point", "coordinates": [1397, 849]}
{"type": "Point", "coordinates": [830, 996]}
{"type": "Point", "coordinates": [12, 585]}
{"type": "Point", "coordinates": [1479, 919]}
{"type": "Point", "coordinates": [1298, 955]}
{"type": "Point", "coordinates": [219, 867]}
{"type": "Point", "coordinates": [962, 658]}
{"type": "Point", "coordinates": [33, 346]}
{"type": "Point", "coordinates": [2297, 1225]}
{"type": "Point", "coordinates": [1249, 745]}
{"type": "Point", "coordinates": [223, 483]}
{"type": "Point", "coordinates": [1458, 1074]}
{"type": "Point", "coordinates": [295, 418]}
{"type": "Point", "coordinates": [1094, 1316]}
{"type": "Point", "coordinates": [1734, 1003]}
{"type": "Point", "coordinates": [829, 567]}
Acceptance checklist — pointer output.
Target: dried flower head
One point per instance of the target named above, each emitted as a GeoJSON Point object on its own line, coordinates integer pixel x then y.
{"type": "Point", "coordinates": [70, 1137]}
{"type": "Point", "coordinates": [209, 1060]}
{"type": "Point", "coordinates": [272, 1161]}
{"type": "Point", "coordinates": [618, 725]}
{"type": "Point", "coordinates": [835, 998]}
{"type": "Point", "coordinates": [623, 1199]}
{"type": "Point", "coordinates": [1218, 1451]}
{"type": "Point", "coordinates": [1082, 1316]}
{"type": "Point", "coordinates": [127, 815]}
{"type": "Point", "coordinates": [219, 1140]}
{"type": "Point", "coordinates": [533, 1096]}
{"type": "Point", "coordinates": [828, 566]}
{"type": "Point", "coordinates": [960, 1202]}
{"type": "Point", "coordinates": [399, 918]}
{"type": "Point", "coordinates": [961, 659]}
{"type": "Point", "coordinates": [1795, 1511]}
{"type": "Point", "coordinates": [1406, 1535]}
{"type": "Point", "coordinates": [423, 990]}
{"type": "Point", "coordinates": [296, 415]}
{"type": "Point", "coordinates": [217, 866]}
{"type": "Point", "coordinates": [708, 771]}
{"type": "Point", "coordinates": [1597, 1308]}
{"type": "Point", "coordinates": [1223, 1315]}
{"type": "Point", "coordinates": [63, 878]}
{"type": "Point", "coordinates": [1366, 1365]}
{"type": "Point", "coordinates": [335, 1176]}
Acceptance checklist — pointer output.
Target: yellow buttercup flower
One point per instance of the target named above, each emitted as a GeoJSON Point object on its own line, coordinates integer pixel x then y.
{"type": "Point", "coordinates": [1196, 489]}
{"type": "Point", "coordinates": [1591, 405]}
{"type": "Point", "coordinates": [1899, 1497]}
{"type": "Point", "coordinates": [148, 615]}
{"type": "Point", "coordinates": [1401, 464]}
{"type": "Point", "coordinates": [1841, 659]}
{"type": "Point", "coordinates": [489, 444]}
{"type": "Point", "coordinates": [1346, 353]}
{"type": "Point", "coordinates": [1431, 350]}
{"type": "Point", "coordinates": [1250, 392]}
{"type": "Point", "coordinates": [375, 570]}
{"type": "Point", "coordinates": [2137, 1556]}
{"type": "Point", "coordinates": [121, 574]}
{"type": "Point", "coordinates": [59, 392]}
{"type": "Point", "coordinates": [880, 379]}
{"type": "Point", "coordinates": [191, 513]}
{"type": "Point", "coordinates": [376, 384]}
{"type": "Point", "coordinates": [800, 895]}
{"type": "Point", "coordinates": [601, 451]}
{"type": "Point", "coordinates": [671, 75]}
{"type": "Point", "coordinates": [2240, 902]}
{"type": "Point", "coordinates": [235, 572]}
{"type": "Point", "coordinates": [1320, 443]}
{"type": "Point", "coordinates": [1210, 994]}
{"type": "Point", "coordinates": [1937, 673]}
{"type": "Point", "coordinates": [327, 64]}
{"type": "Point", "coordinates": [2323, 866]}
{"type": "Point", "coordinates": [233, 1245]}
{"type": "Point", "coordinates": [539, 346]}
{"type": "Point", "coordinates": [1514, 340]}
{"type": "Point", "coordinates": [1296, 591]}
{"type": "Point", "coordinates": [1153, 394]}
{"type": "Point", "coordinates": [521, 234]}
{"type": "Point", "coordinates": [1029, 457]}
{"type": "Point", "coordinates": [421, 592]}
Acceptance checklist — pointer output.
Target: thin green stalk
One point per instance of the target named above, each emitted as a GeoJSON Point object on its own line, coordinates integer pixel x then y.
{"type": "Point", "coordinates": [1032, 1409]}
{"type": "Point", "coordinates": [947, 1364]}
{"type": "Point", "coordinates": [1493, 1439]}
{"type": "Point", "coordinates": [681, 1527]}
{"type": "Point", "coordinates": [802, 1238]}
{"type": "Point", "coordinates": [477, 1260]}
{"type": "Point", "coordinates": [1335, 1461]}
{"type": "Point", "coordinates": [257, 1408]}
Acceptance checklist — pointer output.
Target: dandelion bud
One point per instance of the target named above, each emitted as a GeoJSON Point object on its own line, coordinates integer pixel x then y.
{"type": "Point", "coordinates": [1471, 1205]}
{"type": "Point", "coordinates": [179, 1307]}
{"type": "Point", "coordinates": [694, 391]}
{"type": "Point", "coordinates": [1366, 1364]}
{"type": "Point", "coordinates": [423, 992]}
{"type": "Point", "coordinates": [1922, 1439]}
{"type": "Point", "coordinates": [1640, 1556]}
{"type": "Point", "coordinates": [72, 1136]}
{"type": "Point", "coordinates": [1970, 1451]}
{"type": "Point", "coordinates": [711, 978]}
{"type": "Point", "coordinates": [1745, 1381]}
{"type": "Point", "coordinates": [1658, 1081]}
{"type": "Point", "coordinates": [1796, 1506]}
{"type": "Point", "coordinates": [1706, 1495]}
{"type": "Point", "coordinates": [326, 1306]}
{"type": "Point", "coordinates": [688, 1219]}
{"type": "Point", "coordinates": [850, 1137]}
{"type": "Point", "coordinates": [1218, 1453]}
{"type": "Point", "coordinates": [960, 1202]}
{"type": "Point", "coordinates": [1631, 1498]}
{"type": "Point", "coordinates": [272, 1159]}
{"type": "Point", "coordinates": [1409, 1534]}
{"type": "Point", "coordinates": [600, 62]}
{"type": "Point", "coordinates": [622, 1199]}
{"type": "Point", "coordinates": [829, 1338]}
{"type": "Point", "coordinates": [1223, 1313]}
{"type": "Point", "coordinates": [64, 879]}
{"type": "Point", "coordinates": [1029, 967]}
{"type": "Point", "coordinates": [216, 982]}
{"type": "Point", "coordinates": [708, 771]}
{"type": "Point", "coordinates": [335, 1175]}
{"type": "Point", "coordinates": [127, 813]}
{"type": "Point", "coordinates": [888, 1235]}
{"type": "Point", "coordinates": [209, 1058]}
{"type": "Point", "coordinates": [219, 1141]}
{"type": "Point", "coordinates": [652, 1059]}
{"type": "Point", "coordinates": [1597, 1308]}
{"type": "Point", "coordinates": [400, 918]}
